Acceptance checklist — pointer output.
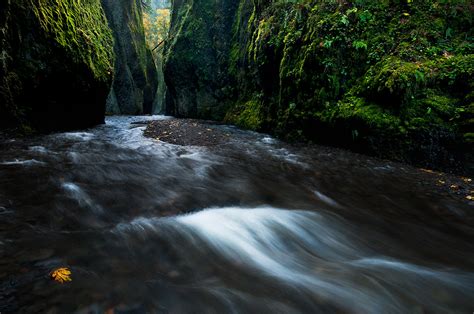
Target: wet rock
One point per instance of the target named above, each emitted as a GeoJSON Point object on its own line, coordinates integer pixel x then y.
{"type": "Point", "coordinates": [197, 81]}
{"type": "Point", "coordinates": [135, 78]}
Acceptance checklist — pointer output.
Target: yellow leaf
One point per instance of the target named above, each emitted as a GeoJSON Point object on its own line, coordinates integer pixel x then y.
{"type": "Point", "coordinates": [61, 275]}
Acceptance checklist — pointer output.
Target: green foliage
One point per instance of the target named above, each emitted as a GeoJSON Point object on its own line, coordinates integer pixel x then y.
{"type": "Point", "coordinates": [469, 138]}
{"type": "Point", "coordinates": [368, 114]}
{"type": "Point", "coordinates": [156, 26]}
{"type": "Point", "coordinates": [81, 27]}
{"type": "Point", "coordinates": [359, 44]}
{"type": "Point", "coordinates": [381, 68]}
{"type": "Point", "coordinates": [248, 115]}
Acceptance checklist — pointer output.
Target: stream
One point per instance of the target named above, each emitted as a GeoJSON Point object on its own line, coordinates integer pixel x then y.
{"type": "Point", "coordinates": [250, 226]}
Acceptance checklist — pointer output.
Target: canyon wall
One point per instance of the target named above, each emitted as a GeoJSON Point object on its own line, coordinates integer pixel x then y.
{"type": "Point", "coordinates": [56, 64]}
{"type": "Point", "coordinates": [61, 62]}
{"type": "Point", "coordinates": [388, 78]}
{"type": "Point", "coordinates": [135, 76]}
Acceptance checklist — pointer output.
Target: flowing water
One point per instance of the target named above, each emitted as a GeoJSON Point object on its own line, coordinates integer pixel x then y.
{"type": "Point", "coordinates": [249, 226]}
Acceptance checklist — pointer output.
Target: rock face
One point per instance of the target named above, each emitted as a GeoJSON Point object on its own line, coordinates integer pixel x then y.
{"type": "Point", "coordinates": [196, 65]}
{"type": "Point", "coordinates": [56, 64]}
{"type": "Point", "coordinates": [135, 76]}
{"type": "Point", "coordinates": [388, 78]}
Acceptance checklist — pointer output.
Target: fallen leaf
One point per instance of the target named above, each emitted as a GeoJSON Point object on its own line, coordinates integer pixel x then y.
{"type": "Point", "coordinates": [61, 275]}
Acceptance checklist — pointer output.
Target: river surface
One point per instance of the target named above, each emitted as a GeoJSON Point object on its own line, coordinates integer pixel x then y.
{"type": "Point", "coordinates": [250, 226]}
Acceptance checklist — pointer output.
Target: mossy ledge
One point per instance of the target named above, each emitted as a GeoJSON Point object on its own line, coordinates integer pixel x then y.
{"type": "Point", "coordinates": [387, 78]}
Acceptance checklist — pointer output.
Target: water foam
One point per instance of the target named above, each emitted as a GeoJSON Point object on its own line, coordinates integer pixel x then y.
{"type": "Point", "coordinates": [316, 254]}
{"type": "Point", "coordinates": [78, 194]}
{"type": "Point", "coordinates": [18, 162]}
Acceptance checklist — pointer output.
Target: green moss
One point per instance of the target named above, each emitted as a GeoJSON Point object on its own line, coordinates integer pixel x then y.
{"type": "Point", "coordinates": [237, 50]}
{"type": "Point", "coordinates": [469, 137]}
{"type": "Point", "coordinates": [442, 105]}
{"type": "Point", "coordinates": [248, 115]}
{"type": "Point", "coordinates": [387, 69]}
{"type": "Point", "coordinates": [395, 79]}
{"type": "Point", "coordinates": [371, 115]}
{"type": "Point", "coordinates": [81, 27]}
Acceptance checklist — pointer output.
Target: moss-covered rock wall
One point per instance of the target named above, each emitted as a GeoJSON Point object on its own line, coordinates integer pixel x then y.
{"type": "Point", "coordinates": [58, 59]}
{"type": "Point", "coordinates": [197, 60]}
{"type": "Point", "coordinates": [56, 63]}
{"type": "Point", "coordinates": [135, 76]}
{"type": "Point", "coordinates": [392, 78]}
